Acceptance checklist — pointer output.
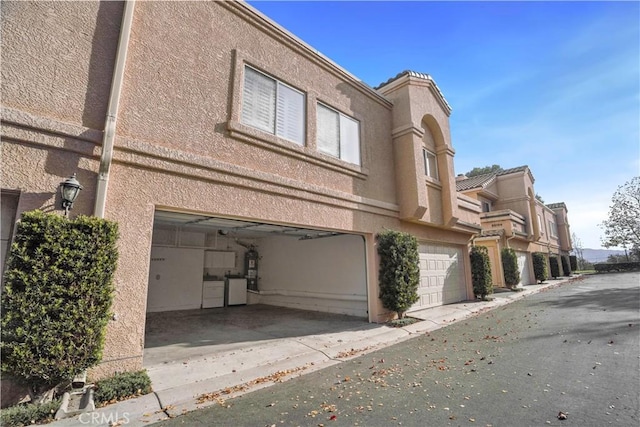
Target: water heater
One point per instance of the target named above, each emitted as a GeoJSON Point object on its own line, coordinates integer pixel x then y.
{"type": "Point", "coordinates": [251, 268]}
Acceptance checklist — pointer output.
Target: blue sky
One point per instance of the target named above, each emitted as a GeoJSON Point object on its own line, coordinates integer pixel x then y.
{"type": "Point", "coordinates": [553, 85]}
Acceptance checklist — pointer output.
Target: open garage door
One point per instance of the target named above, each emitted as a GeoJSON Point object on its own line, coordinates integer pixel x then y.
{"type": "Point", "coordinates": [441, 276]}
{"type": "Point", "coordinates": [209, 262]}
{"type": "Point", "coordinates": [523, 267]}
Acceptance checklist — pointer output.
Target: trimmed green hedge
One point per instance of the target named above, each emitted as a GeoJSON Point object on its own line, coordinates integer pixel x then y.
{"type": "Point", "coordinates": [122, 386]}
{"type": "Point", "coordinates": [565, 265]}
{"type": "Point", "coordinates": [109, 390]}
{"type": "Point", "coordinates": [554, 267]}
{"type": "Point", "coordinates": [573, 262]}
{"type": "Point", "coordinates": [539, 266]}
{"type": "Point", "coordinates": [29, 414]}
{"type": "Point", "coordinates": [618, 266]}
{"type": "Point", "coordinates": [481, 272]}
{"type": "Point", "coordinates": [58, 295]}
{"type": "Point", "coordinates": [399, 270]}
{"type": "Point", "coordinates": [510, 267]}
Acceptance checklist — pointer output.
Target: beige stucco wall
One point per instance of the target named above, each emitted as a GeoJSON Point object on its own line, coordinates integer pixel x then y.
{"type": "Point", "coordinates": [56, 61]}
{"type": "Point", "coordinates": [513, 199]}
{"type": "Point", "coordinates": [179, 143]}
{"type": "Point", "coordinates": [419, 110]}
{"type": "Point", "coordinates": [196, 87]}
{"type": "Point", "coordinates": [495, 258]}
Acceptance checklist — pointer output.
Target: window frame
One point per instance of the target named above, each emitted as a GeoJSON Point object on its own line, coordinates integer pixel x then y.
{"type": "Point", "coordinates": [427, 166]}
{"type": "Point", "coordinates": [308, 153]}
{"type": "Point", "coordinates": [278, 120]}
{"type": "Point", "coordinates": [540, 225]}
{"type": "Point", "coordinates": [343, 121]}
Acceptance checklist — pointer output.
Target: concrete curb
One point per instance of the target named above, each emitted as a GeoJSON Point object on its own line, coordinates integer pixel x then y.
{"type": "Point", "coordinates": [295, 357]}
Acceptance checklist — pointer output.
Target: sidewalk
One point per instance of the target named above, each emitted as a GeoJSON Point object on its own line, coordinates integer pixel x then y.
{"type": "Point", "coordinates": [177, 387]}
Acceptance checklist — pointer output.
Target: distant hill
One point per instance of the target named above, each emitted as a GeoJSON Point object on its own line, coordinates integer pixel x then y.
{"type": "Point", "coordinates": [599, 255]}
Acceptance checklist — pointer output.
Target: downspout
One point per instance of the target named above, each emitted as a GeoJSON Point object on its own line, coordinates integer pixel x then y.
{"type": "Point", "coordinates": [109, 135]}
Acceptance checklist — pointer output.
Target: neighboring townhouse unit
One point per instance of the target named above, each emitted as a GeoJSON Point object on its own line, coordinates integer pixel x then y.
{"type": "Point", "coordinates": [241, 165]}
{"type": "Point", "coordinates": [513, 217]}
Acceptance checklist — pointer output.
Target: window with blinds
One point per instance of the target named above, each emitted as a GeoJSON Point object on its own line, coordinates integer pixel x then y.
{"type": "Point", "coordinates": [272, 106]}
{"type": "Point", "coordinates": [430, 164]}
{"type": "Point", "coordinates": [338, 135]}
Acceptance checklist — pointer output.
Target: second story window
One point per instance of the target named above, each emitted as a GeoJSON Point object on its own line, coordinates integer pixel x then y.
{"type": "Point", "coordinates": [540, 225]}
{"type": "Point", "coordinates": [430, 164]}
{"type": "Point", "coordinates": [338, 135]}
{"type": "Point", "coordinates": [272, 106]}
{"type": "Point", "coordinates": [486, 207]}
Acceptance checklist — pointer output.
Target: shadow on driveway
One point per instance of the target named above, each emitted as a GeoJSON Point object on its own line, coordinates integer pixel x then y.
{"type": "Point", "coordinates": [615, 299]}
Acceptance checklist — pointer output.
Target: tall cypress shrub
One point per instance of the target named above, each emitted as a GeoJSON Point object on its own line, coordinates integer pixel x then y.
{"type": "Point", "coordinates": [399, 270]}
{"type": "Point", "coordinates": [539, 266]}
{"type": "Point", "coordinates": [57, 299]}
{"type": "Point", "coordinates": [510, 267]}
{"type": "Point", "coordinates": [573, 262]}
{"type": "Point", "coordinates": [566, 269]}
{"type": "Point", "coordinates": [481, 271]}
{"type": "Point", "coordinates": [554, 267]}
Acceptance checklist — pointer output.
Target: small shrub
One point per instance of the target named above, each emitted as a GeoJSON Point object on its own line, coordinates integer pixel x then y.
{"type": "Point", "coordinates": [565, 265]}
{"type": "Point", "coordinates": [28, 414]}
{"type": "Point", "coordinates": [55, 306]}
{"type": "Point", "coordinates": [618, 266]}
{"type": "Point", "coordinates": [121, 386]}
{"type": "Point", "coordinates": [573, 262]}
{"type": "Point", "coordinates": [554, 267]}
{"type": "Point", "coordinates": [399, 270]}
{"type": "Point", "coordinates": [481, 271]}
{"type": "Point", "coordinates": [510, 267]}
{"type": "Point", "coordinates": [539, 266]}
{"type": "Point", "coordinates": [400, 323]}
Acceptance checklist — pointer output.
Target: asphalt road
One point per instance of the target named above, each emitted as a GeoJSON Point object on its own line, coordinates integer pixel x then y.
{"type": "Point", "coordinates": [572, 349]}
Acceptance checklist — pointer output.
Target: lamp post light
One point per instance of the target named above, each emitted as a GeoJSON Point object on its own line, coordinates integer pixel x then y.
{"type": "Point", "coordinates": [69, 189]}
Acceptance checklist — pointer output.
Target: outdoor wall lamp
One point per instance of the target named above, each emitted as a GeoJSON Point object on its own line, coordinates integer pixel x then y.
{"type": "Point", "coordinates": [69, 189]}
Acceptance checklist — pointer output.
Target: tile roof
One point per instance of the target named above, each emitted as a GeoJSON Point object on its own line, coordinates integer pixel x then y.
{"type": "Point", "coordinates": [556, 205]}
{"type": "Point", "coordinates": [513, 170]}
{"type": "Point", "coordinates": [475, 181]}
{"type": "Point", "coordinates": [485, 179]}
{"type": "Point", "coordinates": [418, 75]}
{"type": "Point", "coordinates": [405, 73]}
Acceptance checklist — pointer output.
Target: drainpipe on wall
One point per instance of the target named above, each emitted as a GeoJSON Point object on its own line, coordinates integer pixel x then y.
{"type": "Point", "coordinates": [509, 238]}
{"type": "Point", "coordinates": [112, 109]}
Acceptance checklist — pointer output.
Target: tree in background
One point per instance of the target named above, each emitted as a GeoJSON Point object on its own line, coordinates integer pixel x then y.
{"type": "Point", "coordinates": [481, 171]}
{"type": "Point", "coordinates": [622, 228]}
{"type": "Point", "coordinates": [577, 249]}
{"type": "Point", "coordinates": [627, 257]}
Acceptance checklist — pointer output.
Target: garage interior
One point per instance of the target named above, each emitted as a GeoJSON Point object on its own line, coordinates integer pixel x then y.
{"type": "Point", "coordinates": [208, 272]}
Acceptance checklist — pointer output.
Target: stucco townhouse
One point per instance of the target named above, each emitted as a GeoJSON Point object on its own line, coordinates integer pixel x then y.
{"type": "Point", "coordinates": [514, 217]}
{"type": "Point", "coordinates": [242, 166]}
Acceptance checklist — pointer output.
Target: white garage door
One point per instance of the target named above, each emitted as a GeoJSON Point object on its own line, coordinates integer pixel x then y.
{"type": "Point", "coordinates": [523, 267]}
{"type": "Point", "coordinates": [441, 276]}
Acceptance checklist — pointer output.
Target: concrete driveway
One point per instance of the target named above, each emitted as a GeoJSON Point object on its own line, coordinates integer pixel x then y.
{"type": "Point", "coordinates": [234, 345]}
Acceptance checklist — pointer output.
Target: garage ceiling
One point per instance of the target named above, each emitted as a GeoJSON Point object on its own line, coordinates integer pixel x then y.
{"type": "Point", "coordinates": [235, 228]}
